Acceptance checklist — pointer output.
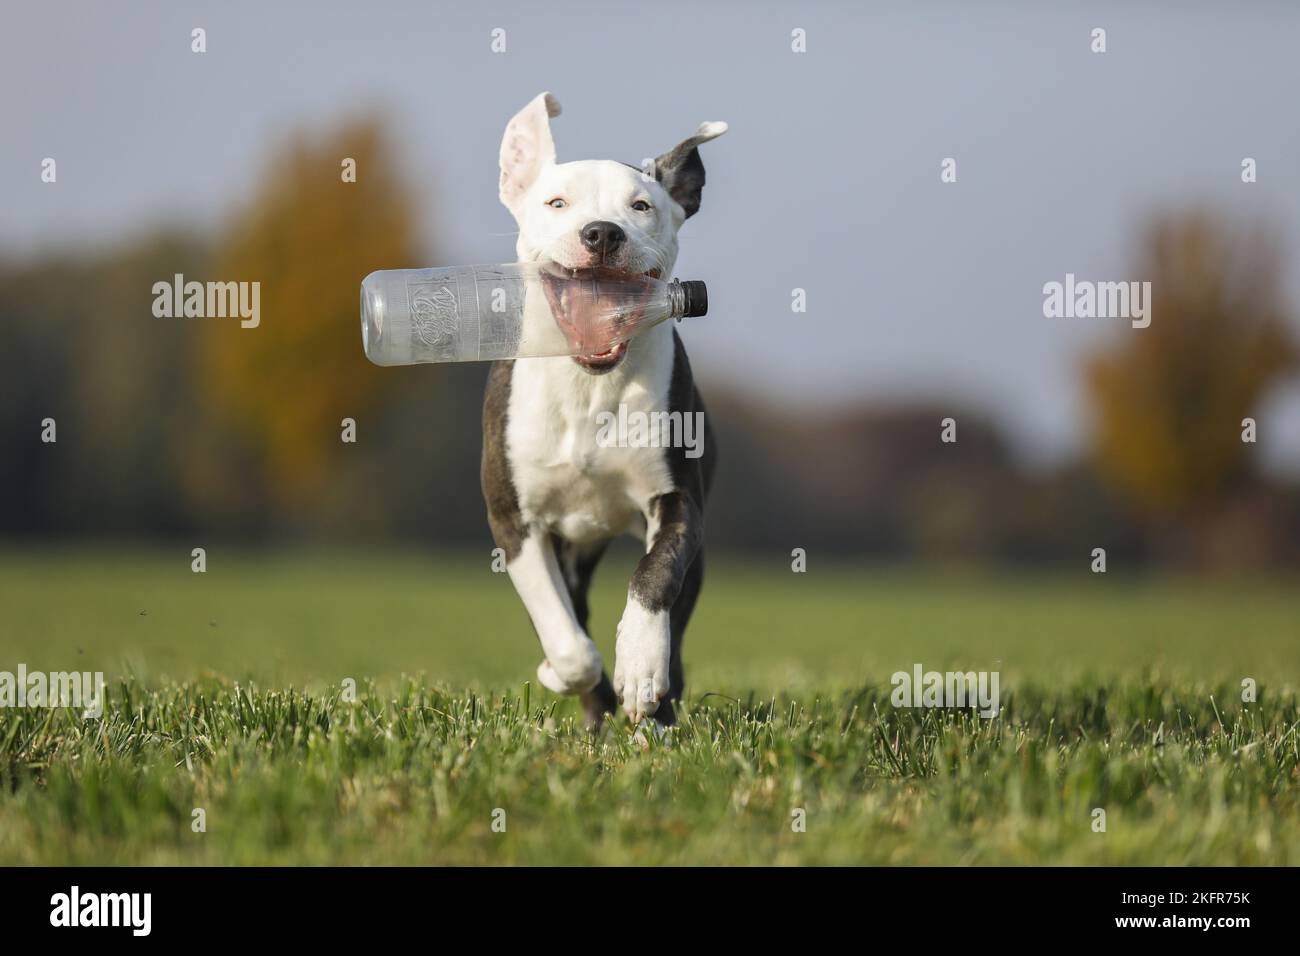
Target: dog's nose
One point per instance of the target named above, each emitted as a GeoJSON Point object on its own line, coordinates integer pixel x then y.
{"type": "Point", "coordinates": [603, 237]}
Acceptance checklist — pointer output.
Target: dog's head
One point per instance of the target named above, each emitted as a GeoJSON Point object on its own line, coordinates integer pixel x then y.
{"type": "Point", "coordinates": [597, 213]}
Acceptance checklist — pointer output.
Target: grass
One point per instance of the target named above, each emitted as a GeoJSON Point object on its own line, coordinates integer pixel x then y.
{"type": "Point", "coordinates": [1117, 693]}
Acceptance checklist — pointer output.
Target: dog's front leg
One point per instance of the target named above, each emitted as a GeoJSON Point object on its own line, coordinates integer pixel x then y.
{"type": "Point", "coordinates": [642, 668]}
{"type": "Point", "coordinates": [572, 664]}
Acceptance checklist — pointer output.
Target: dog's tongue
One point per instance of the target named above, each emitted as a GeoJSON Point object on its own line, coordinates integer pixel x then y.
{"type": "Point", "coordinates": [591, 311]}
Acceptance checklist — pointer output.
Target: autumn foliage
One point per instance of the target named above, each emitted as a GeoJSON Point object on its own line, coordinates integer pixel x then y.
{"type": "Point", "coordinates": [309, 236]}
{"type": "Point", "coordinates": [1168, 401]}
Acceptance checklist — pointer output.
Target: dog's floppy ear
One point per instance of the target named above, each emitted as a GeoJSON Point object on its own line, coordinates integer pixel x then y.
{"type": "Point", "coordinates": [527, 147]}
{"type": "Point", "coordinates": [681, 170]}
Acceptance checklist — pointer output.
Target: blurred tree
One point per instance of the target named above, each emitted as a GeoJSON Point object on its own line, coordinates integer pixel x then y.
{"type": "Point", "coordinates": [80, 344]}
{"type": "Point", "coordinates": [1168, 400]}
{"type": "Point", "coordinates": [309, 236]}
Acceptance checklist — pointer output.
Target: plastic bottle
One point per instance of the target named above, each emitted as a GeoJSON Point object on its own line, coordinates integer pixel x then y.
{"type": "Point", "coordinates": [519, 310]}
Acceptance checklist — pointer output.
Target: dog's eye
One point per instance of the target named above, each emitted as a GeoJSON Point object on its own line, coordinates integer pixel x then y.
{"type": "Point", "coordinates": [557, 203]}
{"type": "Point", "coordinates": [641, 206]}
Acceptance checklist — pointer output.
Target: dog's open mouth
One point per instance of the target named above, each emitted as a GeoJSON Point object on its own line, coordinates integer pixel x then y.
{"type": "Point", "coordinates": [593, 306]}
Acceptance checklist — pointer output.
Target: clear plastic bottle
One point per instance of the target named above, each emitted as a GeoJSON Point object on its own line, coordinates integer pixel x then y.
{"type": "Point", "coordinates": [519, 310]}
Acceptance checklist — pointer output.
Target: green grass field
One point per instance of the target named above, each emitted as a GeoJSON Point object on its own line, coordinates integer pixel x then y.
{"type": "Point", "coordinates": [1118, 692]}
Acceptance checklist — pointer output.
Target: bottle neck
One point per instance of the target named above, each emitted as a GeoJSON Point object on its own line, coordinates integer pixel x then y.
{"type": "Point", "coordinates": [676, 300]}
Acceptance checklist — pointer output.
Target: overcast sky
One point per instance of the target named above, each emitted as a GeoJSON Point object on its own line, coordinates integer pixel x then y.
{"type": "Point", "coordinates": [828, 179]}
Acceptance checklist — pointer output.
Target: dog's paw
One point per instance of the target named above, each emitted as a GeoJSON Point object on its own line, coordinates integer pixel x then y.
{"type": "Point", "coordinates": [573, 673]}
{"type": "Point", "coordinates": [641, 660]}
{"type": "Point", "coordinates": [648, 731]}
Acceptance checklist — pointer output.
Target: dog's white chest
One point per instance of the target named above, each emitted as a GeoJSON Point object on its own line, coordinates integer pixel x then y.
{"type": "Point", "coordinates": [569, 477]}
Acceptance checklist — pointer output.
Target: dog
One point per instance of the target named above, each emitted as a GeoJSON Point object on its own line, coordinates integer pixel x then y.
{"type": "Point", "coordinates": [555, 496]}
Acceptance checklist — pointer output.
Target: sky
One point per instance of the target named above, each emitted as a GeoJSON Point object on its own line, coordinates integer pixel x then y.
{"type": "Point", "coordinates": [828, 180]}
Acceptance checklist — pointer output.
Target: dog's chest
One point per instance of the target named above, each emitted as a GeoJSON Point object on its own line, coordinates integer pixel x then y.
{"type": "Point", "coordinates": [569, 476]}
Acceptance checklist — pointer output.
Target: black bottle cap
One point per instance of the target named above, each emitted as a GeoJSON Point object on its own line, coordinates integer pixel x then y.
{"type": "Point", "coordinates": [697, 298]}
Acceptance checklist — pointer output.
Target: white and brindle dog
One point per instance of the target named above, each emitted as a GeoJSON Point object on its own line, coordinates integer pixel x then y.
{"type": "Point", "coordinates": [555, 497]}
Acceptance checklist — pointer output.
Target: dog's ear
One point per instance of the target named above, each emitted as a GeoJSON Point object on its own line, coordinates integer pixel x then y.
{"type": "Point", "coordinates": [681, 171]}
{"type": "Point", "coordinates": [527, 147]}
